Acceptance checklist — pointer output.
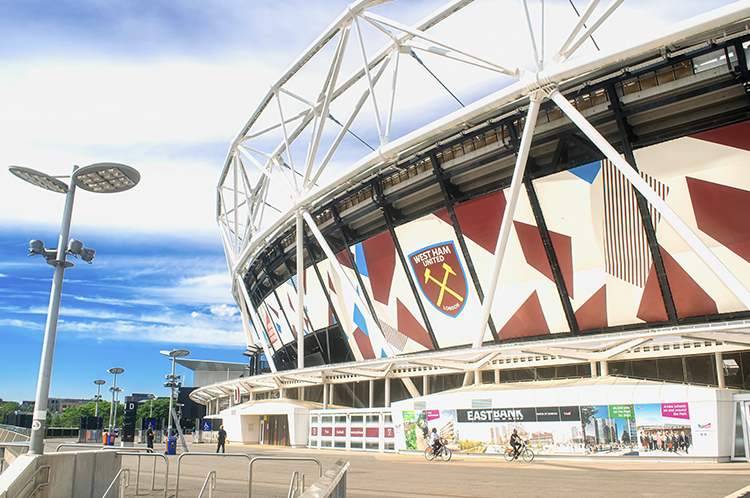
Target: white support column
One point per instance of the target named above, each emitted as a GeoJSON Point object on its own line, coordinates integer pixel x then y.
{"type": "Point", "coordinates": [387, 381]}
{"type": "Point", "coordinates": [497, 376]}
{"type": "Point", "coordinates": [331, 394]}
{"type": "Point", "coordinates": [409, 384]}
{"type": "Point", "coordinates": [345, 278]}
{"type": "Point", "coordinates": [720, 369]}
{"type": "Point", "coordinates": [510, 208]}
{"type": "Point", "coordinates": [325, 395]}
{"type": "Point", "coordinates": [679, 226]}
{"type": "Point", "coordinates": [604, 367]}
{"type": "Point", "coordinates": [593, 368]}
{"type": "Point", "coordinates": [425, 385]}
{"type": "Point", "coordinates": [371, 393]}
{"type": "Point", "coordinates": [300, 294]}
{"type": "Point", "coordinates": [258, 327]}
{"type": "Point", "coordinates": [477, 377]}
{"type": "Point", "coordinates": [301, 395]}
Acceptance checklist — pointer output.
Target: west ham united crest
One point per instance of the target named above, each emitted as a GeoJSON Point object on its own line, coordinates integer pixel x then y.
{"type": "Point", "coordinates": [441, 277]}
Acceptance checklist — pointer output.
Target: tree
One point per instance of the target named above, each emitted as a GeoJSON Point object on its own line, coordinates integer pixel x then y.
{"type": "Point", "coordinates": [161, 407]}
{"type": "Point", "coordinates": [8, 407]}
{"type": "Point", "coordinates": [71, 416]}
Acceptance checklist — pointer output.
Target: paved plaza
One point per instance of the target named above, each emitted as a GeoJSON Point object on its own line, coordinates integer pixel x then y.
{"type": "Point", "coordinates": [410, 475]}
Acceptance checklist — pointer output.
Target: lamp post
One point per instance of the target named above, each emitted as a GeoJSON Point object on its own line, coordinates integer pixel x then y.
{"type": "Point", "coordinates": [114, 389]}
{"type": "Point", "coordinates": [151, 405]}
{"type": "Point", "coordinates": [173, 381]}
{"type": "Point", "coordinates": [99, 383]}
{"type": "Point", "coordinates": [99, 177]}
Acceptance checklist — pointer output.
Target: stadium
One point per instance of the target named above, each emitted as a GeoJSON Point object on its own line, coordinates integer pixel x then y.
{"type": "Point", "coordinates": [563, 248]}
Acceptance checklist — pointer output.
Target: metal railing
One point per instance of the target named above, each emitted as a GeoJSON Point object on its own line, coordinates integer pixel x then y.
{"type": "Point", "coordinates": [221, 455]}
{"type": "Point", "coordinates": [272, 458]}
{"type": "Point", "coordinates": [251, 460]}
{"type": "Point", "coordinates": [15, 444]}
{"type": "Point", "coordinates": [331, 485]}
{"type": "Point", "coordinates": [102, 447]}
{"type": "Point", "coordinates": [297, 486]}
{"type": "Point", "coordinates": [124, 475]}
{"type": "Point", "coordinates": [33, 479]}
{"type": "Point", "coordinates": [153, 469]}
{"type": "Point", "coordinates": [212, 477]}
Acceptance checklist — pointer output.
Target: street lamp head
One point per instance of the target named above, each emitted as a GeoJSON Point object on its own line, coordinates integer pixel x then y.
{"type": "Point", "coordinates": [116, 370]}
{"type": "Point", "coordinates": [39, 179]}
{"type": "Point", "coordinates": [100, 382]}
{"type": "Point", "coordinates": [106, 177]}
{"type": "Point", "coordinates": [176, 353]}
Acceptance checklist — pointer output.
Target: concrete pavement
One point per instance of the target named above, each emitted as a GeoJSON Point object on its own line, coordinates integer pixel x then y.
{"type": "Point", "coordinates": [401, 475]}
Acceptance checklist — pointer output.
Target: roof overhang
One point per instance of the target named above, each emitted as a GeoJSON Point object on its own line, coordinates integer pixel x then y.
{"type": "Point", "coordinates": [638, 344]}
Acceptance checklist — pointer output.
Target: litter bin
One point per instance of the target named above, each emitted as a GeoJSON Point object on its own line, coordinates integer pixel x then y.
{"type": "Point", "coordinates": [112, 437]}
{"type": "Point", "coordinates": [171, 445]}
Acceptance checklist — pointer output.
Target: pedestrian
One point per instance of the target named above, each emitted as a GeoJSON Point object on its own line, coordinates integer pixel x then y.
{"type": "Point", "coordinates": [150, 437]}
{"type": "Point", "coordinates": [222, 439]}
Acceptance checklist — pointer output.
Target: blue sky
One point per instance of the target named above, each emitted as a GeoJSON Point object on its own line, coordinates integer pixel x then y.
{"type": "Point", "coordinates": [163, 87]}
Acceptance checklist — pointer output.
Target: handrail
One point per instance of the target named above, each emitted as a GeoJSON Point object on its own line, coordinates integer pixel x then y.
{"type": "Point", "coordinates": [125, 473]}
{"type": "Point", "coordinates": [179, 461]}
{"type": "Point", "coordinates": [211, 475]}
{"type": "Point", "coordinates": [32, 478]}
{"type": "Point", "coordinates": [102, 447]}
{"type": "Point", "coordinates": [297, 486]}
{"type": "Point", "coordinates": [253, 460]}
{"type": "Point", "coordinates": [153, 470]}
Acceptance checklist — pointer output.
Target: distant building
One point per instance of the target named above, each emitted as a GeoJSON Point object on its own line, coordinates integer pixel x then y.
{"type": "Point", "coordinates": [60, 404]}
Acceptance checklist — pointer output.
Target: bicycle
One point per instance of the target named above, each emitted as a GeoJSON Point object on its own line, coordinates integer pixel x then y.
{"type": "Point", "coordinates": [444, 452]}
{"type": "Point", "coordinates": [524, 452]}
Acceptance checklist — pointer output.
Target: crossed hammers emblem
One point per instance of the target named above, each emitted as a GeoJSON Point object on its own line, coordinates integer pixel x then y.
{"type": "Point", "coordinates": [443, 285]}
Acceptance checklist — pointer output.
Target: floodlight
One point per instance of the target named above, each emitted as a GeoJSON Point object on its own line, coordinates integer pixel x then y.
{"type": "Point", "coordinates": [36, 247]}
{"type": "Point", "coordinates": [87, 254]}
{"type": "Point", "coordinates": [39, 179]}
{"type": "Point", "coordinates": [75, 247]}
{"type": "Point", "coordinates": [106, 177]}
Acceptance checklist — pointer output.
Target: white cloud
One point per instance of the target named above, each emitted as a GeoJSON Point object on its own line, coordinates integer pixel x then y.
{"type": "Point", "coordinates": [139, 332]}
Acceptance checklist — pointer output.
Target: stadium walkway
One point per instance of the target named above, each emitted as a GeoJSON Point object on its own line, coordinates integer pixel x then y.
{"type": "Point", "coordinates": [410, 475]}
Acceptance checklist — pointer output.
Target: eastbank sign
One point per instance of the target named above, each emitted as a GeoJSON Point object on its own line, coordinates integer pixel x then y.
{"type": "Point", "coordinates": [497, 415]}
{"type": "Point", "coordinates": [529, 414]}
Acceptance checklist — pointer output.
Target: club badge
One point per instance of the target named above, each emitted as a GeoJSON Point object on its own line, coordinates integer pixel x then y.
{"type": "Point", "coordinates": [441, 277]}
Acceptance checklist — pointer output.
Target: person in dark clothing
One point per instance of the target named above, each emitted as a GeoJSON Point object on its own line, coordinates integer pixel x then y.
{"type": "Point", "coordinates": [515, 442]}
{"type": "Point", "coordinates": [222, 439]}
{"type": "Point", "coordinates": [150, 437]}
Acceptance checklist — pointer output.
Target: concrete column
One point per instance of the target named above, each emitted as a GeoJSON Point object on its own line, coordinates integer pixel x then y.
{"type": "Point", "coordinates": [387, 392]}
{"type": "Point", "coordinates": [477, 377]}
{"type": "Point", "coordinates": [371, 393]}
{"type": "Point", "coordinates": [593, 369]}
{"type": "Point", "coordinates": [331, 394]}
{"type": "Point", "coordinates": [425, 385]}
{"type": "Point", "coordinates": [720, 369]}
{"type": "Point", "coordinates": [301, 394]}
{"type": "Point", "coordinates": [497, 376]}
{"type": "Point", "coordinates": [325, 396]}
{"type": "Point", "coordinates": [604, 367]}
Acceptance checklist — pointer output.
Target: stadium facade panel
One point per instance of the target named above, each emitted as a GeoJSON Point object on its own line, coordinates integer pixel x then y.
{"type": "Point", "coordinates": [585, 221]}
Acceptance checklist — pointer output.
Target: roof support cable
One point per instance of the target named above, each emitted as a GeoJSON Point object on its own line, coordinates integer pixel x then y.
{"type": "Point", "coordinates": [411, 52]}
{"type": "Point", "coordinates": [330, 116]}
{"type": "Point", "coordinates": [584, 25]}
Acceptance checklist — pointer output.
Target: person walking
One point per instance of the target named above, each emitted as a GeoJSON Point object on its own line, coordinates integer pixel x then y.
{"type": "Point", "coordinates": [222, 439]}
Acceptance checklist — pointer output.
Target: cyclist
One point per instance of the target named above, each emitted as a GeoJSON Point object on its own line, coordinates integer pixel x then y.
{"type": "Point", "coordinates": [435, 441]}
{"type": "Point", "coordinates": [515, 442]}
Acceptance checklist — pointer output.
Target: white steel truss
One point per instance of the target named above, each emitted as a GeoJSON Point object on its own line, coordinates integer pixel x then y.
{"type": "Point", "coordinates": [275, 172]}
